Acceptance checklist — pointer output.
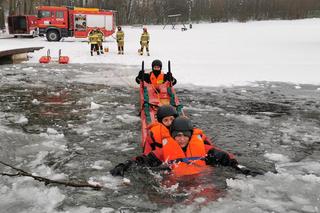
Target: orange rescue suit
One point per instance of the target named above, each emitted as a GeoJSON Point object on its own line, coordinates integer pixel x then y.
{"type": "Point", "coordinates": [157, 131]}
{"type": "Point", "coordinates": [185, 163]}
{"type": "Point", "coordinates": [155, 81]}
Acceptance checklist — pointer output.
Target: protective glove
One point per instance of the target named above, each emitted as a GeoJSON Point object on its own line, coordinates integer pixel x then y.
{"type": "Point", "coordinates": [140, 76]}
{"type": "Point", "coordinates": [147, 42]}
{"type": "Point", "coordinates": [121, 168]}
{"type": "Point", "coordinates": [140, 42]}
{"type": "Point", "coordinates": [169, 76]}
{"type": "Point", "coordinates": [149, 160]}
{"type": "Point", "coordinates": [217, 157]}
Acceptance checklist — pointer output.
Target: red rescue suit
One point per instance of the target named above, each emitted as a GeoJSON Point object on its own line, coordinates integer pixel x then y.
{"type": "Point", "coordinates": [185, 163]}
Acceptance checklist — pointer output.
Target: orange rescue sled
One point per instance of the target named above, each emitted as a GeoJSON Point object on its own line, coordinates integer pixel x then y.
{"type": "Point", "coordinates": [150, 99]}
{"type": "Point", "coordinates": [63, 59]}
{"type": "Point", "coordinates": [45, 59]}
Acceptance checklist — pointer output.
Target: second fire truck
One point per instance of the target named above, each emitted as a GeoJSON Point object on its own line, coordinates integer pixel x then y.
{"type": "Point", "coordinates": [58, 22]}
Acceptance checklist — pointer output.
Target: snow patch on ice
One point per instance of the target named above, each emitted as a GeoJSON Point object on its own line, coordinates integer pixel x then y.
{"type": "Point", "coordinates": [52, 131]}
{"type": "Point", "coordinates": [27, 68]}
{"type": "Point", "coordinates": [101, 164]}
{"type": "Point", "coordinates": [269, 191]}
{"type": "Point", "coordinates": [34, 196]}
{"type": "Point", "coordinates": [108, 181]}
{"type": "Point", "coordinates": [128, 118]}
{"type": "Point", "coordinates": [84, 130]}
{"type": "Point", "coordinates": [39, 169]}
{"type": "Point", "coordinates": [294, 133]}
{"type": "Point", "coordinates": [22, 120]}
{"type": "Point", "coordinates": [35, 102]}
{"type": "Point", "coordinates": [107, 210]}
{"type": "Point", "coordinates": [81, 209]}
{"type": "Point", "coordinates": [277, 157]}
{"type": "Point", "coordinates": [251, 120]}
{"type": "Point", "coordinates": [95, 106]}
{"type": "Point", "coordinates": [16, 118]}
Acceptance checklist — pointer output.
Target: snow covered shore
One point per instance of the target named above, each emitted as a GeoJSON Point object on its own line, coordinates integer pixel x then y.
{"type": "Point", "coordinates": [210, 54]}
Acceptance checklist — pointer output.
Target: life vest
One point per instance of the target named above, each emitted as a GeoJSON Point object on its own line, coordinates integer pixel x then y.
{"type": "Point", "coordinates": [158, 132]}
{"type": "Point", "coordinates": [155, 81]}
{"type": "Point", "coordinates": [205, 139]}
{"type": "Point", "coordinates": [185, 163]}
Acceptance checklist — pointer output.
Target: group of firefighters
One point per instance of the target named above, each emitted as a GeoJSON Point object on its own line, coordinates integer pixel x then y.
{"type": "Point", "coordinates": [96, 39]}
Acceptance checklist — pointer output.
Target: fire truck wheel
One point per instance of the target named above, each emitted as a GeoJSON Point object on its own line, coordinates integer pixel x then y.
{"type": "Point", "coordinates": [53, 35]}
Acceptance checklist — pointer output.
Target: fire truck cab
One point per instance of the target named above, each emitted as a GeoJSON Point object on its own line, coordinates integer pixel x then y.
{"type": "Point", "coordinates": [58, 22]}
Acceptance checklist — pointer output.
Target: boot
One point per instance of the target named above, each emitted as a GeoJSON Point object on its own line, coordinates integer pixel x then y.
{"type": "Point", "coordinates": [98, 53]}
{"type": "Point", "coordinates": [91, 53]}
{"type": "Point", "coordinates": [101, 52]}
{"type": "Point", "coordinates": [148, 53]}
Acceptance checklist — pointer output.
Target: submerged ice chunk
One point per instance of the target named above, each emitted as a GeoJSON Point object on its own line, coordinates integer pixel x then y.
{"type": "Point", "coordinates": [95, 106]}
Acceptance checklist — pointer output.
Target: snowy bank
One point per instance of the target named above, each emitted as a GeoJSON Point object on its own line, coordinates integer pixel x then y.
{"type": "Point", "coordinates": [209, 54]}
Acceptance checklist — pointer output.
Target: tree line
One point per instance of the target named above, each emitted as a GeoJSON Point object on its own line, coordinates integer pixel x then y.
{"type": "Point", "coordinates": [157, 11]}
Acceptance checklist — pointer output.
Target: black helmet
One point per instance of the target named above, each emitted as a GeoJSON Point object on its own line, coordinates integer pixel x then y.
{"type": "Point", "coordinates": [119, 28]}
{"type": "Point", "coordinates": [156, 63]}
{"type": "Point", "coordinates": [181, 124]}
{"type": "Point", "coordinates": [166, 110]}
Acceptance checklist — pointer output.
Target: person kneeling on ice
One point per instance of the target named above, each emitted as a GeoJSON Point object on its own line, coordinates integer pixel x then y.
{"type": "Point", "coordinates": [156, 76]}
{"type": "Point", "coordinates": [160, 129]}
{"type": "Point", "coordinates": [185, 152]}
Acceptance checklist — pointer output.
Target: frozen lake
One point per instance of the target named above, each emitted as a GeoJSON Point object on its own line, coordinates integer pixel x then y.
{"type": "Point", "coordinates": [76, 122]}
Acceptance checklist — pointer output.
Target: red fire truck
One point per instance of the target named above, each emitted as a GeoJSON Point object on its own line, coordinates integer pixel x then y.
{"type": "Point", "coordinates": [23, 25]}
{"type": "Point", "coordinates": [58, 22]}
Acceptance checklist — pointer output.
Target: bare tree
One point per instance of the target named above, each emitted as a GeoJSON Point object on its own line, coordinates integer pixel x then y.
{"type": "Point", "coordinates": [156, 11]}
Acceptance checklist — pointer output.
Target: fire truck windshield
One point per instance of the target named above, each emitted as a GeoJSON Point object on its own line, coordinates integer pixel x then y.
{"type": "Point", "coordinates": [44, 14]}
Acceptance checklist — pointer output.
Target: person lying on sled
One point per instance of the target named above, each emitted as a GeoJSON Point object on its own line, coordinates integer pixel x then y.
{"type": "Point", "coordinates": [156, 76]}
{"type": "Point", "coordinates": [185, 152]}
{"type": "Point", "coordinates": [160, 129]}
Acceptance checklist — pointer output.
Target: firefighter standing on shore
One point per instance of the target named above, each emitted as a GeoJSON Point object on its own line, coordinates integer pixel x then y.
{"type": "Point", "coordinates": [100, 40]}
{"type": "Point", "coordinates": [120, 40]}
{"type": "Point", "coordinates": [93, 40]}
{"type": "Point", "coordinates": [144, 41]}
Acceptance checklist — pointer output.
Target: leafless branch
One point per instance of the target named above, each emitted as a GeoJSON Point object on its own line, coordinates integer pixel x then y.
{"type": "Point", "coordinates": [47, 180]}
